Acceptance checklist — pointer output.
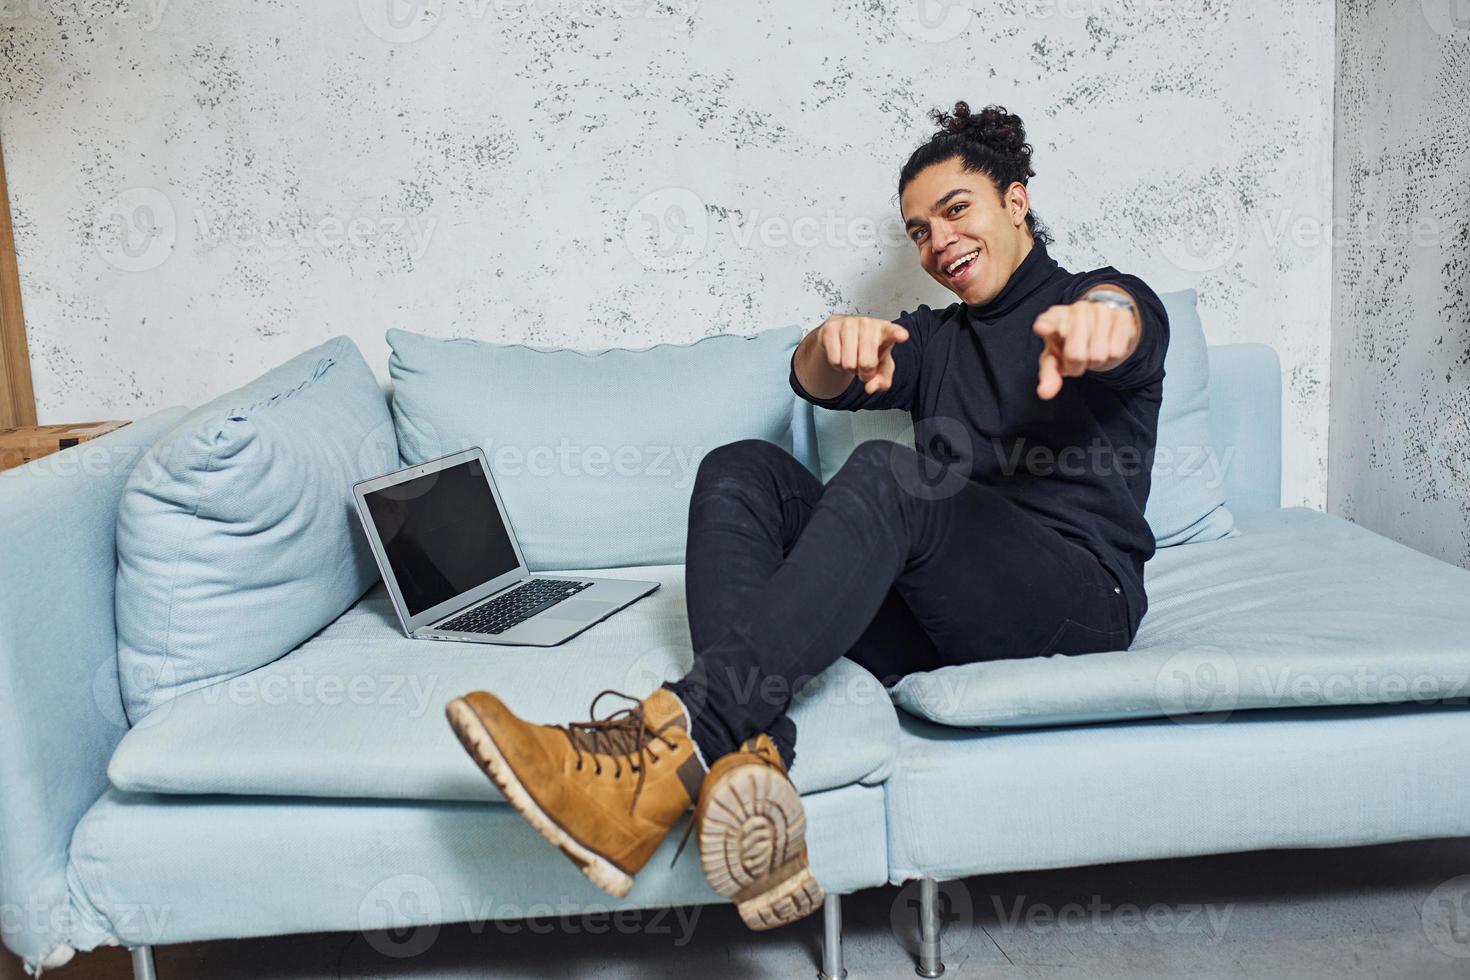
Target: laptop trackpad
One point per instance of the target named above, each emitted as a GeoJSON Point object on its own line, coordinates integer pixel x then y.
{"type": "Point", "coordinates": [580, 609]}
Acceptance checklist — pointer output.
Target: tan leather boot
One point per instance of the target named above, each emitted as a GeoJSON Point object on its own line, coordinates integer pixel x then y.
{"type": "Point", "coordinates": [604, 791]}
{"type": "Point", "coordinates": [752, 837]}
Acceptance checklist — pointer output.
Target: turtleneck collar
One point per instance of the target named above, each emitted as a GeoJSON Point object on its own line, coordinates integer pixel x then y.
{"type": "Point", "coordinates": [1035, 269]}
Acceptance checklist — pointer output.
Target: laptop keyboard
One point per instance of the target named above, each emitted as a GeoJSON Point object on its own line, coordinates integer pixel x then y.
{"type": "Point", "coordinates": [515, 606]}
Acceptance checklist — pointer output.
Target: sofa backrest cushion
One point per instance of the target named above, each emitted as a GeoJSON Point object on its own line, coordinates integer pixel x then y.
{"type": "Point", "coordinates": [237, 536]}
{"type": "Point", "coordinates": [1186, 501]}
{"type": "Point", "coordinates": [594, 452]}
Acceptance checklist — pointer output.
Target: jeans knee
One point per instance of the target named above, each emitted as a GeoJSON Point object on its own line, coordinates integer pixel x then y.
{"type": "Point", "coordinates": [898, 473]}
{"type": "Point", "coordinates": [871, 459]}
{"type": "Point", "coordinates": [882, 473]}
{"type": "Point", "coordinates": [737, 461]}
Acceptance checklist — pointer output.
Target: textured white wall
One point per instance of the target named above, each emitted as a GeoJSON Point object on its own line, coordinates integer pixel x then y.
{"type": "Point", "coordinates": [203, 189]}
{"type": "Point", "coordinates": [1401, 348]}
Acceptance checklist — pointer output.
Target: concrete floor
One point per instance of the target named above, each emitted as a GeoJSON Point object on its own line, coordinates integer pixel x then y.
{"type": "Point", "coordinates": [1339, 913]}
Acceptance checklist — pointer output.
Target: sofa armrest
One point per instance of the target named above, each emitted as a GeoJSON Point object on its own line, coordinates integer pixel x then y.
{"type": "Point", "coordinates": [1245, 421]}
{"type": "Point", "coordinates": [58, 668]}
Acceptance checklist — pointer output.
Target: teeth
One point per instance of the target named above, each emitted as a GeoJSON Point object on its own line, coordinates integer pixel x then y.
{"type": "Point", "coordinates": [949, 269]}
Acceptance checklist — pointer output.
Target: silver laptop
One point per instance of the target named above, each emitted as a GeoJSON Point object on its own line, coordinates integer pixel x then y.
{"type": "Point", "coordinates": [454, 568]}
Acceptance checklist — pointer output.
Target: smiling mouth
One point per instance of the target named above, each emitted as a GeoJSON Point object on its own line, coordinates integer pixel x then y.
{"type": "Point", "coordinates": [962, 266]}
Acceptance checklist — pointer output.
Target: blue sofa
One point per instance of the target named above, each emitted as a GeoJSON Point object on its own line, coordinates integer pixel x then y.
{"type": "Point", "coordinates": [1260, 707]}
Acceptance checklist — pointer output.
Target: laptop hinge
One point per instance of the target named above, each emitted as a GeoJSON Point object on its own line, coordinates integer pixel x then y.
{"type": "Point", "coordinates": [477, 602]}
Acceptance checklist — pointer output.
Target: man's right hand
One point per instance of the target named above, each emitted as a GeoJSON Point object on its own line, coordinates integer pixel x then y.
{"type": "Point", "coordinates": [862, 346]}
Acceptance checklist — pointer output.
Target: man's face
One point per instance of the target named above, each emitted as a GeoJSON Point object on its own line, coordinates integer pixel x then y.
{"type": "Point", "coordinates": [970, 239]}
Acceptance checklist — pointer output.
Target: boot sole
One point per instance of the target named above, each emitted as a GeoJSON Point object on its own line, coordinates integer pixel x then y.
{"type": "Point", "coordinates": [752, 844]}
{"type": "Point", "coordinates": [480, 744]}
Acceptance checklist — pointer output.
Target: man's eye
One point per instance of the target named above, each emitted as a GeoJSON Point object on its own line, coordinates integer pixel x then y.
{"type": "Point", "coordinates": [917, 236]}
{"type": "Point", "coordinates": [957, 209]}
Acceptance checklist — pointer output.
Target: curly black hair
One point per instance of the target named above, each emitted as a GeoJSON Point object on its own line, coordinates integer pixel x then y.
{"type": "Point", "coordinates": [991, 142]}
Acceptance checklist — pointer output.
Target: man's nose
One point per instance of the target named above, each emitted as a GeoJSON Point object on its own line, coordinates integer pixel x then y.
{"type": "Point", "coordinates": [942, 234]}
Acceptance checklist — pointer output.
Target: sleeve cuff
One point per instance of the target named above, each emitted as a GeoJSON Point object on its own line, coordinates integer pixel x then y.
{"type": "Point", "coordinates": [801, 392]}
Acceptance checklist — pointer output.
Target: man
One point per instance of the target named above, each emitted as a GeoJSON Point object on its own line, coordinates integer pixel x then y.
{"type": "Point", "coordinates": [1014, 528]}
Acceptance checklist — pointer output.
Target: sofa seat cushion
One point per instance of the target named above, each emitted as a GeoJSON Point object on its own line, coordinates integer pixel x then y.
{"type": "Point", "coordinates": [358, 709]}
{"type": "Point", "coordinates": [966, 802]}
{"type": "Point", "coordinates": [159, 870]}
{"type": "Point", "coordinates": [1301, 608]}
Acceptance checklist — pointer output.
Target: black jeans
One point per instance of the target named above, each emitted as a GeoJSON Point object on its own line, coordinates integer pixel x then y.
{"type": "Point", "coordinates": [894, 563]}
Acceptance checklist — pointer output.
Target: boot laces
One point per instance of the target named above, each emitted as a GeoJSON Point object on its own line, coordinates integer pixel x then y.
{"type": "Point", "coordinates": [623, 736]}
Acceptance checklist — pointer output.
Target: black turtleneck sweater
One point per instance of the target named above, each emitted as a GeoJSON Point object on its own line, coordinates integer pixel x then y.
{"type": "Point", "coordinates": [1078, 462]}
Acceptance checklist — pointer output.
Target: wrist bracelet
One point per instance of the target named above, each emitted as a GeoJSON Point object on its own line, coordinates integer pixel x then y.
{"type": "Point", "coordinates": [1109, 297]}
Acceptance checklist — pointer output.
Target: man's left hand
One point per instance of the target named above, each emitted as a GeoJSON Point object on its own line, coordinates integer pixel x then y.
{"type": "Point", "coordinates": [1081, 337]}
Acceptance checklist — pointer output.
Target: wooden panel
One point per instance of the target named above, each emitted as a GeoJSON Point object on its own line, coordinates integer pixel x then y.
{"type": "Point", "coordinates": [28, 442]}
{"type": "Point", "coordinates": [17, 399]}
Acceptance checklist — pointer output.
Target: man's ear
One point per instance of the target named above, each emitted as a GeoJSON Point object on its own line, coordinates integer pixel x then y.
{"type": "Point", "coordinates": [1018, 202]}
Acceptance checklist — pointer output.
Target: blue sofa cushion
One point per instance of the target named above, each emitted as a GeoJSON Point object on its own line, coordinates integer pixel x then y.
{"type": "Point", "coordinates": [1186, 501]}
{"type": "Point", "coordinates": [964, 803]}
{"type": "Point", "coordinates": [160, 870]}
{"type": "Point", "coordinates": [1301, 608]}
{"type": "Point", "coordinates": [236, 534]}
{"type": "Point", "coordinates": [358, 710]}
{"type": "Point", "coordinates": [594, 452]}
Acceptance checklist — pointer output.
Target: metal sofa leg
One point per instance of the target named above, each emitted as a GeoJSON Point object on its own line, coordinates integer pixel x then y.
{"type": "Point", "coordinates": [930, 963]}
{"type": "Point", "coordinates": [832, 968]}
{"type": "Point", "coordinates": [143, 963]}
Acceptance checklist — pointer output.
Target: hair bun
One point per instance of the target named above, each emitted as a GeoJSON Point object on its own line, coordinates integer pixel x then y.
{"type": "Point", "coordinates": [1000, 131]}
{"type": "Point", "coordinates": [991, 142]}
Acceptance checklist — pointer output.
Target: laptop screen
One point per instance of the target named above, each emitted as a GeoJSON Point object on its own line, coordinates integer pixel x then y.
{"type": "Point", "coordinates": [442, 534]}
